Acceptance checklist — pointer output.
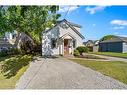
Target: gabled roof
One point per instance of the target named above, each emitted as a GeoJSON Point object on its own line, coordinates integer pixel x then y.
{"type": "Point", "coordinates": [115, 39]}
{"type": "Point", "coordinates": [89, 41]}
{"type": "Point", "coordinates": [71, 25]}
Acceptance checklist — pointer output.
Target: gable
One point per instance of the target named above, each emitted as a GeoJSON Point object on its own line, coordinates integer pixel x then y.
{"type": "Point", "coordinates": [65, 24]}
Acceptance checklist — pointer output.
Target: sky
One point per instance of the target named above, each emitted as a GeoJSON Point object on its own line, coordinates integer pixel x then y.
{"type": "Point", "coordinates": [97, 21]}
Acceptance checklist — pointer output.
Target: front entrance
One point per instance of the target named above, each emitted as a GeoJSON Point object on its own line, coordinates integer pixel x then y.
{"type": "Point", "coordinates": [66, 47]}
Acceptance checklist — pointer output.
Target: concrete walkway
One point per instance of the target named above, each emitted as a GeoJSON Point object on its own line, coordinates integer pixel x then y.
{"type": "Point", "coordinates": [111, 58]}
{"type": "Point", "coordinates": [60, 73]}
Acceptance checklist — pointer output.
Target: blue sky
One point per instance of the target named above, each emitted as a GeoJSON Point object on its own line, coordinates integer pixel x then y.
{"type": "Point", "coordinates": [97, 21]}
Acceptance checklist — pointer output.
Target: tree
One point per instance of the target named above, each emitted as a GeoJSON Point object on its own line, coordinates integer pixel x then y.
{"type": "Point", "coordinates": [106, 37]}
{"type": "Point", "coordinates": [31, 20]}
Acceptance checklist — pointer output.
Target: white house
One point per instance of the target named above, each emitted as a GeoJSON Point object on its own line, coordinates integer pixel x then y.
{"type": "Point", "coordinates": [62, 39]}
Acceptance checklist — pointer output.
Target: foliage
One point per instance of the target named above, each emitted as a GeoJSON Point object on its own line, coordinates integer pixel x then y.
{"type": "Point", "coordinates": [90, 48]}
{"type": "Point", "coordinates": [114, 69]}
{"type": "Point", "coordinates": [106, 37]}
{"type": "Point", "coordinates": [12, 51]}
{"type": "Point", "coordinates": [76, 53]}
{"type": "Point", "coordinates": [3, 21]}
{"type": "Point", "coordinates": [3, 53]}
{"type": "Point", "coordinates": [31, 20]}
{"type": "Point", "coordinates": [11, 82]}
{"type": "Point", "coordinates": [11, 66]}
{"type": "Point", "coordinates": [82, 49]}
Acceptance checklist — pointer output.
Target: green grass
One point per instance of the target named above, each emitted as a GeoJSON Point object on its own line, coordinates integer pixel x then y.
{"type": "Point", "coordinates": [11, 70]}
{"type": "Point", "coordinates": [114, 69]}
{"type": "Point", "coordinates": [122, 55]}
{"type": "Point", "coordinates": [10, 83]}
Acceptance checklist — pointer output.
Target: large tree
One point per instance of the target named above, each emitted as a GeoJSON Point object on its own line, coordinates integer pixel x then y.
{"type": "Point", "coordinates": [107, 37]}
{"type": "Point", "coordinates": [31, 20]}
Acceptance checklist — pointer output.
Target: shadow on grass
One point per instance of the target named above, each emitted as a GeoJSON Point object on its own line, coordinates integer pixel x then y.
{"type": "Point", "coordinates": [11, 66]}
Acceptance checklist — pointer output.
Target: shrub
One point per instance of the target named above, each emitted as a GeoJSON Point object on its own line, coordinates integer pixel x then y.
{"type": "Point", "coordinates": [76, 53]}
{"type": "Point", "coordinates": [3, 53]}
{"type": "Point", "coordinates": [90, 48]}
{"type": "Point", "coordinates": [12, 65]}
{"type": "Point", "coordinates": [82, 49]}
{"type": "Point", "coordinates": [14, 51]}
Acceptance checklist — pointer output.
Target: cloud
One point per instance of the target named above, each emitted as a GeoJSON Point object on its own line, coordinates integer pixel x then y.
{"type": "Point", "coordinates": [93, 10]}
{"type": "Point", "coordinates": [65, 8]}
{"type": "Point", "coordinates": [118, 27]}
{"type": "Point", "coordinates": [93, 25]}
{"type": "Point", "coordinates": [119, 22]}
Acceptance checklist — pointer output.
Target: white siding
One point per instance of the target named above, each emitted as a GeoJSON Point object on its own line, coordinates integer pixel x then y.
{"type": "Point", "coordinates": [56, 33]}
{"type": "Point", "coordinates": [79, 40]}
{"type": "Point", "coordinates": [77, 28]}
{"type": "Point", "coordinates": [46, 42]}
{"type": "Point", "coordinates": [124, 47]}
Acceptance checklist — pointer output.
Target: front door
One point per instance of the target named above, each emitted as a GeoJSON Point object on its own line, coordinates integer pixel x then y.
{"type": "Point", "coordinates": [66, 47]}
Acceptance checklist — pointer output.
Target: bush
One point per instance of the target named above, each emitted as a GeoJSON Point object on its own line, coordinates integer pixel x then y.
{"type": "Point", "coordinates": [82, 49]}
{"type": "Point", "coordinates": [12, 51]}
{"type": "Point", "coordinates": [12, 65]}
{"type": "Point", "coordinates": [90, 48]}
{"type": "Point", "coordinates": [3, 53]}
{"type": "Point", "coordinates": [76, 53]}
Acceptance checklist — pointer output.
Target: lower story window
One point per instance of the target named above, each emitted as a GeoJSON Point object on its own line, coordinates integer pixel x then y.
{"type": "Point", "coordinates": [74, 43]}
{"type": "Point", "coordinates": [53, 42]}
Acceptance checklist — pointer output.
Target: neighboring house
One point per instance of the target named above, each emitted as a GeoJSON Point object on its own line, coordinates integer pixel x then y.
{"type": "Point", "coordinates": [7, 41]}
{"type": "Point", "coordinates": [96, 46]}
{"type": "Point", "coordinates": [11, 40]}
{"type": "Point", "coordinates": [115, 44]}
{"type": "Point", "coordinates": [89, 43]}
{"type": "Point", "coordinates": [92, 45]}
{"type": "Point", "coordinates": [62, 39]}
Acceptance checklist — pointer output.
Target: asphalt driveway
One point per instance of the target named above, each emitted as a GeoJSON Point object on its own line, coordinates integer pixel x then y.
{"type": "Point", "coordinates": [60, 73]}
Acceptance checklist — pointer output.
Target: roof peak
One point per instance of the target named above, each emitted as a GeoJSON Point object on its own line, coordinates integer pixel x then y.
{"type": "Point", "coordinates": [73, 24]}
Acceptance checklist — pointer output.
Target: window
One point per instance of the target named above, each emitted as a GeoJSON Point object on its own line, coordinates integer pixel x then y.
{"type": "Point", "coordinates": [53, 42]}
{"type": "Point", "coordinates": [13, 36]}
{"type": "Point", "coordinates": [74, 43]}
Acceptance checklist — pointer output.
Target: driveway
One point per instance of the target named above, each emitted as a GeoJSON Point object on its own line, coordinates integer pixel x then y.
{"type": "Point", "coordinates": [60, 73]}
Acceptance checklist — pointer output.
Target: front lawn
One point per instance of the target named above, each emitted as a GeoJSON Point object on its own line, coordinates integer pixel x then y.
{"type": "Point", "coordinates": [122, 55]}
{"type": "Point", "coordinates": [114, 69]}
{"type": "Point", "coordinates": [11, 69]}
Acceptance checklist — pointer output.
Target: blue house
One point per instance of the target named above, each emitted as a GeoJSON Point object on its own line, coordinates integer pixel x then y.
{"type": "Point", "coordinates": [115, 44]}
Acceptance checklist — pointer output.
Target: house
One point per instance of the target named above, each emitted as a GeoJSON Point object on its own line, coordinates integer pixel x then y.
{"type": "Point", "coordinates": [115, 44]}
{"type": "Point", "coordinates": [7, 41]}
{"type": "Point", "coordinates": [96, 46]}
{"type": "Point", "coordinates": [62, 39]}
{"type": "Point", "coordinates": [11, 40]}
{"type": "Point", "coordinates": [92, 45]}
{"type": "Point", "coordinates": [89, 43]}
